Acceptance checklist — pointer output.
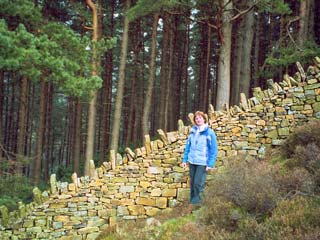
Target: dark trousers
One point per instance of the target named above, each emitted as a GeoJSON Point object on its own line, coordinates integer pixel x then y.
{"type": "Point", "coordinates": [198, 175]}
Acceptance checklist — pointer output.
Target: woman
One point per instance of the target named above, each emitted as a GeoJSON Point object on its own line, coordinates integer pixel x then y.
{"type": "Point", "coordinates": [200, 152]}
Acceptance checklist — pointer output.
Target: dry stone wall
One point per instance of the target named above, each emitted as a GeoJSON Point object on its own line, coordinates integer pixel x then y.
{"type": "Point", "coordinates": [149, 180]}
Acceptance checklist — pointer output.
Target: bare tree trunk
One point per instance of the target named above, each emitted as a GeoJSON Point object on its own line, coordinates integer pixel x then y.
{"type": "Point", "coordinates": [169, 83]}
{"type": "Point", "coordinates": [246, 52]}
{"type": "Point", "coordinates": [256, 54]}
{"type": "Point", "coordinates": [164, 72]}
{"type": "Point", "coordinates": [1, 110]}
{"type": "Point", "coordinates": [178, 70]}
{"type": "Point", "coordinates": [107, 92]}
{"type": "Point", "coordinates": [200, 87]}
{"type": "Point", "coordinates": [77, 136]}
{"type": "Point", "coordinates": [22, 121]}
{"type": "Point", "coordinates": [40, 134]}
{"type": "Point", "coordinates": [10, 121]}
{"type": "Point", "coordinates": [139, 100]}
{"type": "Point", "coordinates": [237, 63]}
{"type": "Point", "coordinates": [303, 23]}
{"type": "Point", "coordinates": [134, 108]}
{"type": "Point", "coordinates": [206, 91]}
{"type": "Point", "coordinates": [93, 102]}
{"type": "Point", "coordinates": [120, 86]}
{"type": "Point", "coordinates": [185, 72]}
{"type": "Point", "coordinates": [47, 144]}
{"type": "Point", "coordinates": [51, 136]}
{"type": "Point", "coordinates": [311, 19]}
{"type": "Point", "coordinates": [30, 114]}
{"type": "Point", "coordinates": [223, 93]}
{"type": "Point", "coordinates": [69, 132]}
{"type": "Point", "coordinates": [148, 98]}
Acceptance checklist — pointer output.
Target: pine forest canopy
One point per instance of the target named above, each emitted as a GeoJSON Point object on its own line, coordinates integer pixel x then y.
{"type": "Point", "coordinates": [81, 78]}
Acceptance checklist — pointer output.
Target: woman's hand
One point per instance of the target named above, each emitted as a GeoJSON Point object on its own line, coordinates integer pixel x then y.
{"type": "Point", "coordinates": [184, 165]}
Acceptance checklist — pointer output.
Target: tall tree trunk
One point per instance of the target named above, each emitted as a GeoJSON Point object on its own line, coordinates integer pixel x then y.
{"type": "Point", "coordinates": [169, 82]}
{"type": "Point", "coordinates": [148, 98]}
{"type": "Point", "coordinates": [237, 63]}
{"type": "Point", "coordinates": [303, 22]}
{"type": "Point", "coordinates": [139, 100]}
{"type": "Point", "coordinates": [164, 72]}
{"type": "Point", "coordinates": [10, 119]}
{"type": "Point", "coordinates": [223, 92]}
{"type": "Point", "coordinates": [31, 126]}
{"type": "Point", "coordinates": [135, 94]}
{"type": "Point", "coordinates": [40, 134]}
{"type": "Point", "coordinates": [22, 116]}
{"type": "Point", "coordinates": [93, 102]}
{"type": "Point", "coordinates": [22, 120]}
{"type": "Point", "coordinates": [185, 66]}
{"type": "Point", "coordinates": [47, 144]}
{"type": "Point", "coordinates": [316, 22]}
{"type": "Point", "coordinates": [69, 132]}
{"type": "Point", "coordinates": [107, 91]}
{"type": "Point", "coordinates": [246, 52]}
{"type": "Point", "coordinates": [256, 54]}
{"type": "Point", "coordinates": [120, 85]}
{"type": "Point", "coordinates": [1, 111]}
{"type": "Point", "coordinates": [199, 87]}
{"type": "Point", "coordinates": [179, 69]}
{"type": "Point", "coordinates": [77, 136]}
{"type": "Point", "coordinates": [205, 97]}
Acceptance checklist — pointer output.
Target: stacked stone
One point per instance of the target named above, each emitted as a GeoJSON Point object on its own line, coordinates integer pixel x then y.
{"type": "Point", "coordinates": [149, 179]}
{"type": "Point", "coordinates": [269, 116]}
{"type": "Point", "coordinates": [149, 182]}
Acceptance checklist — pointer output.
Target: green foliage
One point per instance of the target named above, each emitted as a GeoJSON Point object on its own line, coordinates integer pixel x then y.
{"type": "Point", "coordinates": [58, 54]}
{"type": "Point", "coordinates": [14, 189]}
{"type": "Point", "coordinates": [16, 12]}
{"type": "Point", "coordinates": [146, 7]}
{"type": "Point", "coordinates": [274, 6]}
{"type": "Point", "coordinates": [63, 174]}
{"type": "Point", "coordinates": [66, 60]}
{"type": "Point", "coordinates": [18, 51]}
{"type": "Point", "coordinates": [286, 56]}
{"type": "Point", "coordinates": [51, 52]}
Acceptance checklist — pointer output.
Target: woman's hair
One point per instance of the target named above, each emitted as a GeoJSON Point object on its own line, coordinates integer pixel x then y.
{"type": "Point", "coordinates": [199, 113]}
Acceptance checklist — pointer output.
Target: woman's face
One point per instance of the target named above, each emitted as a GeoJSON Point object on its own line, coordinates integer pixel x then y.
{"type": "Point", "coordinates": [199, 120]}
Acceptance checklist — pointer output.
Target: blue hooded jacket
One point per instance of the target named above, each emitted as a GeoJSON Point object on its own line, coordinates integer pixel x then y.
{"type": "Point", "coordinates": [201, 146]}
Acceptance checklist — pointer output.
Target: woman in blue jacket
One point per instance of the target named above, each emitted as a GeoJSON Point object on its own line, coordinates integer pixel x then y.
{"type": "Point", "coordinates": [200, 152]}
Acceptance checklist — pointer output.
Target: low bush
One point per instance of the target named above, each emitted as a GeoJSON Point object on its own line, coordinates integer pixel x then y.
{"type": "Point", "coordinates": [249, 184]}
{"type": "Point", "coordinates": [302, 149]}
{"type": "Point", "coordinates": [219, 213]}
{"type": "Point", "coordinates": [297, 180]}
{"type": "Point", "coordinates": [298, 218]}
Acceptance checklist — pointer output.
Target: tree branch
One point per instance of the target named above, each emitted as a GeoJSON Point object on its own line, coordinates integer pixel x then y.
{"type": "Point", "coordinates": [243, 12]}
{"type": "Point", "coordinates": [7, 152]}
{"type": "Point", "coordinates": [87, 27]}
{"type": "Point", "coordinates": [289, 34]}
